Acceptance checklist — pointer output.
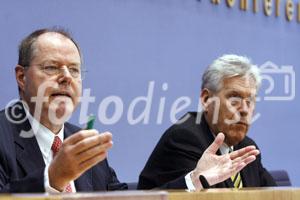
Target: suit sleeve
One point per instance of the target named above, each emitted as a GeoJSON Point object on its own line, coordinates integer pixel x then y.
{"type": "Point", "coordinates": [176, 154]}
{"type": "Point", "coordinates": [256, 174]}
{"type": "Point", "coordinates": [115, 183]}
{"type": "Point", "coordinates": [266, 180]}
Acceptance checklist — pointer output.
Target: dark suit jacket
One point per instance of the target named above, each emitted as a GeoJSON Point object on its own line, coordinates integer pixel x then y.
{"type": "Point", "coordinates": [178, 152]}
{"type": "Point", "coordinates": [22, 165]}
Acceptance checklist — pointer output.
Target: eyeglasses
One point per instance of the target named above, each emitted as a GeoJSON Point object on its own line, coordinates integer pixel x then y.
{"type": "Point", "coordinates": [53, 70]}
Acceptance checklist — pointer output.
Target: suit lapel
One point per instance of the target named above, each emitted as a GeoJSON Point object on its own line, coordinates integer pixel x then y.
{"type": "Point", "coordinates": [28, 153]}
{"type": "Point", "coordinates": [84, 182]}
{"type": "Point", "coordinates": [244, 173]}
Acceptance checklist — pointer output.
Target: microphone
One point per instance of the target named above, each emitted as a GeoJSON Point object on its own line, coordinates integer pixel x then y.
{"type": "Point", "coordinates": [204, 182]}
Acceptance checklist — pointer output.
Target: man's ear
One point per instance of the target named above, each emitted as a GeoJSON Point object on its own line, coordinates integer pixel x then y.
{"type": "Point", "coordinates": [205, 95]}
{"type": "Point", "coordinates": [20, 77]}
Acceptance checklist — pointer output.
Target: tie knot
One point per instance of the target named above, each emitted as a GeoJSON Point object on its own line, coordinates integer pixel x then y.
{"type": "Point", "coordinates": [56, 145]}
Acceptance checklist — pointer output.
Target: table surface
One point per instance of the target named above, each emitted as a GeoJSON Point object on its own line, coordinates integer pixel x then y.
{"type": "Point", "coordinates": [272, 193]}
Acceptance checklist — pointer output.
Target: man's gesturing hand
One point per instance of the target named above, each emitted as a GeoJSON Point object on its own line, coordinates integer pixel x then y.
{"type": "Point", "coordinates": [77, 154]}
{"type": "Point", "coordinates": [218, 168]}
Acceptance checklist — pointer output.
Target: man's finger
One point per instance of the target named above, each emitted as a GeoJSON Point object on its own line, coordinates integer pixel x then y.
{"type": "Point", "coordinates": [73, 139]}
{"type": "Point", "coordinates": [238, 165]}
{"type": "Point", "coordinates": [245, 158]}
{"type": "Point", "coordinates": [254, 152]}
{"type": "Point", "coordinates": [89, 142]}
{"type": "Point", "coordinates": [94, 151]}
{"type": "Point", "coordinates": [213, 148]}
{"type": "Point", "coordinates": [93, 161]}
{"type": "Point", "coordinates": [249, 159]}
{"type": "Point", "coordinates": [241, 152]}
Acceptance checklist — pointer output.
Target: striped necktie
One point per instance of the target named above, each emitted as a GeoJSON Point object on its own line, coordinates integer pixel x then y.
{"type": "Point", "coordinates": [55, 148]}
{"type": "Point", "coordinates": [236, 179]}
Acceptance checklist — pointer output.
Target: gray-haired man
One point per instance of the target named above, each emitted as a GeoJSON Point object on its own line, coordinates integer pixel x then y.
{"type": "Point", "coordinates": [229, 87]}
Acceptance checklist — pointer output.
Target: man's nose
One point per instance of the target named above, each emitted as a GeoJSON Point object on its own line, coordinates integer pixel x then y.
{"type": "Point", "coordinates": [65, 71]}
{"type": "Point", "coordinates": [65, 75]}
{"type": "Point", "coordinates": [244, 108]}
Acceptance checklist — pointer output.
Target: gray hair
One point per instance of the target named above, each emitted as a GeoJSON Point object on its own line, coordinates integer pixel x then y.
{"type": "Point", "coordinates": [228, 66]}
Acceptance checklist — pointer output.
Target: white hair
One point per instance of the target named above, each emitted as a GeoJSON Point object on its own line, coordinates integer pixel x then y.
{"type": "Point", "coordinates": [228, 66]}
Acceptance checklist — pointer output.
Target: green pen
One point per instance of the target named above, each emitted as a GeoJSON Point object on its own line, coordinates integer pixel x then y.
{"type": "Point", "coordinates": [90, 122]}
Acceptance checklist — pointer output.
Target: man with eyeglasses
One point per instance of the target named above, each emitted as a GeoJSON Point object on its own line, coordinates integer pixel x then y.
{"type": "Point", "coordinates": [229, 87]}
{"type": "Point", "coordinates": [41, 152]}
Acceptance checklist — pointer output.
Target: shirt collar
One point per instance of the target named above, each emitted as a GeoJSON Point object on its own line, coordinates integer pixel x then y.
{"type": "Point", "coordinates": [224, 148]}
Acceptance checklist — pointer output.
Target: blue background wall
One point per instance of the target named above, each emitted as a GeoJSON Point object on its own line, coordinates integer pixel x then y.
{"type": "Point", "coordinates": [127, 44]}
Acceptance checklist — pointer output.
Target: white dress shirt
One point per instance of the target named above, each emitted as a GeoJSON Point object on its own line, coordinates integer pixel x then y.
{"type": "Point", "coordinates": [45, 139]}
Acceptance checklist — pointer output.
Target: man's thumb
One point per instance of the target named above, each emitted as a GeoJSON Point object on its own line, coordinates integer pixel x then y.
{"type": "Point", "coordinates": [213, 148]}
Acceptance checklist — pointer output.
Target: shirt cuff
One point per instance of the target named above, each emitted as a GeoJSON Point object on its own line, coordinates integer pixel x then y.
{"type": "Point", "coordinates": [47, 186]}
{"type": "Point", "coordinates": [189, 182]}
